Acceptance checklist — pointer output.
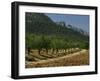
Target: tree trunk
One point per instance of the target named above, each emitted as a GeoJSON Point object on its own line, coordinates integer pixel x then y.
{"type": "Point", "coordinates": [52, 51]}
{"type": "Point", "coordinates": [46, 51]}
{"type": "Point", "coordinates": [29, 50]}
{"type": "Point", "coordinates": [65, 50]}
{"type": "Point", "coordinates": [39, 50]}
{"type": "Point", "coordinates": [56, 50]}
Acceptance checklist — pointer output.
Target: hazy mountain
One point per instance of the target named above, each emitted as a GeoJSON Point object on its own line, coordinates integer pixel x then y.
{"type": "Point", "coordinates": [78, 30]}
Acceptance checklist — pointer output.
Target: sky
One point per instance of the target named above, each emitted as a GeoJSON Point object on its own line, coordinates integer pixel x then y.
{"type": "Point", "coordinates": [79, 21]}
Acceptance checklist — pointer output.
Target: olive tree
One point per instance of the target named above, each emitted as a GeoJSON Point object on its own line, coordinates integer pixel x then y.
{"type": "Point", "coordinates": [29, 42]}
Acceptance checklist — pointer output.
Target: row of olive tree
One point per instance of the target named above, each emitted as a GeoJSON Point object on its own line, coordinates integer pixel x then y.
{"type": "Point", "coordinates": [49, 42]}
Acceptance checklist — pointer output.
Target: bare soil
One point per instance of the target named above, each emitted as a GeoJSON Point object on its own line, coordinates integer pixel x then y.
{"type": "Point", "coordinates": [74, 59]}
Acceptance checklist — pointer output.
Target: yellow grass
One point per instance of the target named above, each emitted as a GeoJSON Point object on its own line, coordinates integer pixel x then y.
{"type": "Point", "coordinates": [75, 59]}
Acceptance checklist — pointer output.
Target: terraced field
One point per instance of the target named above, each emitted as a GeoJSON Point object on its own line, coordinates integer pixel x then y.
{"type": "Point", "coordinates": [74, 58]}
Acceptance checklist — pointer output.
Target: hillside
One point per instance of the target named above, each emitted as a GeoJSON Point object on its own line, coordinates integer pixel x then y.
{"type": "Point", "coordinates": [40, 24]}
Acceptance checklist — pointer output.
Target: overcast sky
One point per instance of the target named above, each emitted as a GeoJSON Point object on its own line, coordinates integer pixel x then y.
{"type": "Point", "coordinates": [79, 21]}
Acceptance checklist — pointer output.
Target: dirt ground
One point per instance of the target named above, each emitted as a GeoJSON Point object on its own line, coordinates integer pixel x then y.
{"type": "Point", "coordinates": [75, 59]}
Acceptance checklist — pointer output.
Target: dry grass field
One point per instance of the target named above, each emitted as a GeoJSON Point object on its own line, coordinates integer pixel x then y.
{"type": "Point", "coordinates": [75, 59]}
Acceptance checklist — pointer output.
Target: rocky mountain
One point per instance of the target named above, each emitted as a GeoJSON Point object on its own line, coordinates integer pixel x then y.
{"type": "Point", "coordinates": [40, 24]}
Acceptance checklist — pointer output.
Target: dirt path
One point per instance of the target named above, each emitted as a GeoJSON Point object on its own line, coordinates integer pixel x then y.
{"type": "Point", "coordinates": [78, 58]}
